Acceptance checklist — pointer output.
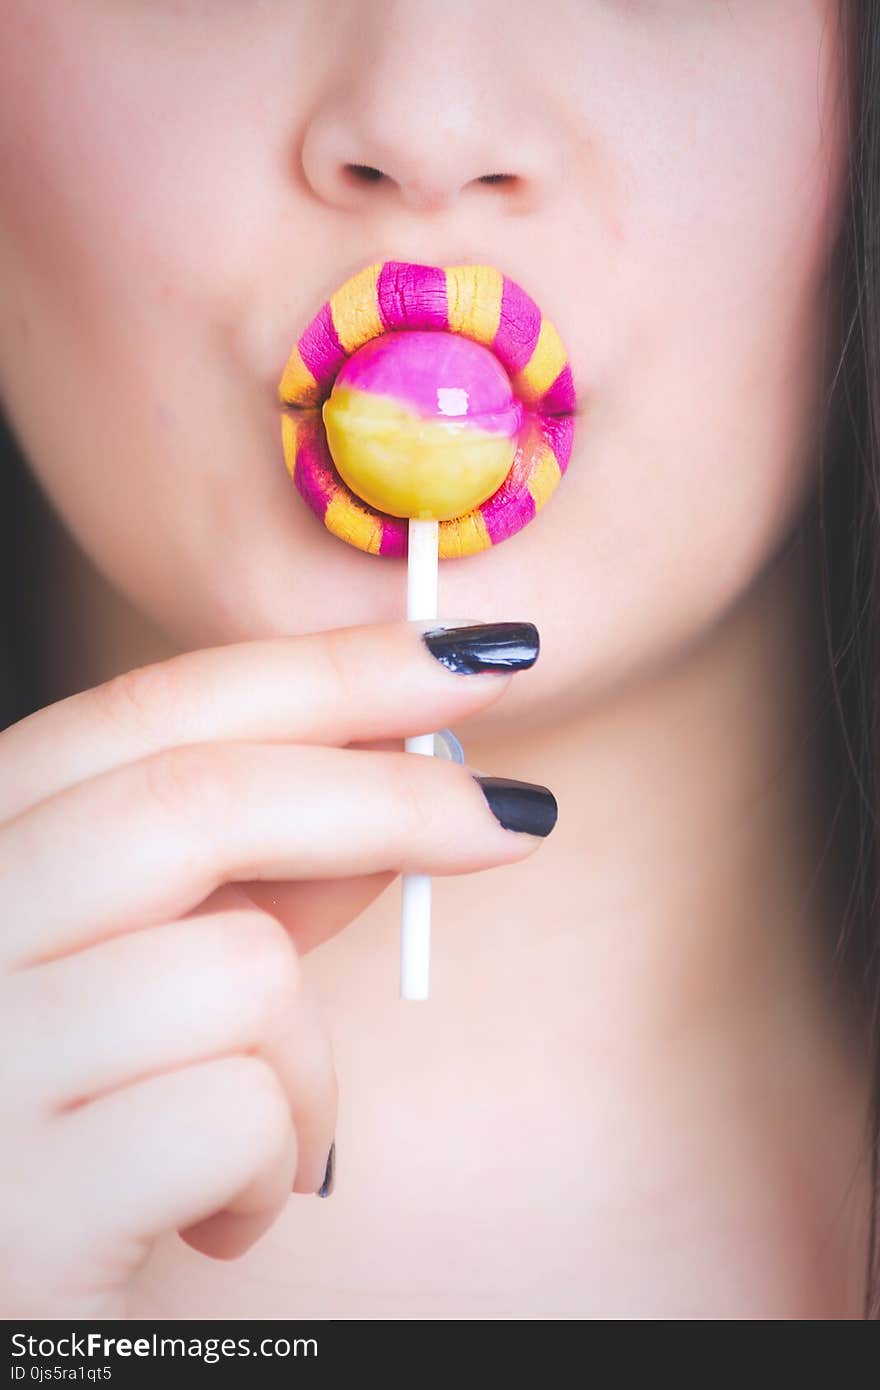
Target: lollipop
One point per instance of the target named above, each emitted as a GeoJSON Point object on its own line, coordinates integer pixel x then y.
{"type": "Point", "coordinates": [430, 414]}
{"type": "Point", "coordinates": [412, 446]}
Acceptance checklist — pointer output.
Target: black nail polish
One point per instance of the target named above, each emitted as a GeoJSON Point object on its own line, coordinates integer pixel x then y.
{"type": "Point", "coordinates": [520, 805]}
{"type": "Point", "coordinates": [329, 1173]}
{"type": "Point", "coordinates": [485, 647]}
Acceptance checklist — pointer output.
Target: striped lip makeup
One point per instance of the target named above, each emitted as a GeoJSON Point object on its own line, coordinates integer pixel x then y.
{"type": "Point", "coordinates": [478, 302]}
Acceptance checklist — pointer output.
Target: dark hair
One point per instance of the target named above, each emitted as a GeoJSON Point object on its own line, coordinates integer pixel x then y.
{"type": "Point", "coordinates": [848, 515]}
{"type": "Point", "coordinates": [845, 510]}
{"type": "Point", "coordinates": [18, 569]}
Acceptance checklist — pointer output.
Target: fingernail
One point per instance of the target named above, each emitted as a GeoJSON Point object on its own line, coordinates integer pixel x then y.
{"type": "Point", "coordinates": [484, 647]}
{"type": "Point", "coordinates": [520, 806]}
{"type": "Point", "coordinates": [329, 1173]}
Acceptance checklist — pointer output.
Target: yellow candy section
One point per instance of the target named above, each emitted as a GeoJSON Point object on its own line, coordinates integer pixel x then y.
{"type": "Point", "coordinates": [400, 463]}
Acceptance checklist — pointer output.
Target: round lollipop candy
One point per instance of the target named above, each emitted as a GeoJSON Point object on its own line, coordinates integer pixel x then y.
{"type": "Point", "coordinates": [422, 425]}
{"type": "Point", "coordinates": [431, 413]}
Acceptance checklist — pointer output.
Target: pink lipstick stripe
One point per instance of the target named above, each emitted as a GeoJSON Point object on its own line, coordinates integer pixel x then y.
{"type": "Point", "coordinates": [320, 348]}
{"type": "Point", "coordinates": [518, 328]}
{"type": "Point", "coordinates": [412, 296]}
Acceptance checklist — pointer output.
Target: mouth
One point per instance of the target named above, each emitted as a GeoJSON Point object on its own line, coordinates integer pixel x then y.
{"type": "Point", "coordinates": [478, 302]}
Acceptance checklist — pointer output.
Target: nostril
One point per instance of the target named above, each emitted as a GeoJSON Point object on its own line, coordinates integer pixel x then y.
{"type": "Point", "coordinates": [364, 172]}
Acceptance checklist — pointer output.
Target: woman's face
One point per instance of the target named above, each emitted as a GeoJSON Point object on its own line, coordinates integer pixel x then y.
{"type": "Point", "coordinates": [176, 203]}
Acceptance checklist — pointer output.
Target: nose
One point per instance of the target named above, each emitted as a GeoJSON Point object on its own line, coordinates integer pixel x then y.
{"type": "Point", "coordinates": [427, 104]}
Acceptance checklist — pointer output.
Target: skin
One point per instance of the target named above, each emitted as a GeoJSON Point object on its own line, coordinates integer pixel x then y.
{"type": "Point", "coordinates": [635, 1091]}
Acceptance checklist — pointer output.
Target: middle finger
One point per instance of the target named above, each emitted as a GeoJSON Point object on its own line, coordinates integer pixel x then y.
{"type": "Point", "coordinates": [147, 842]}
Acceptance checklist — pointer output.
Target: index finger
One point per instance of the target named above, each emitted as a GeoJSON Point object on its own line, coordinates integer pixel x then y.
{"type": "Point", "coordinates": [331, 687]}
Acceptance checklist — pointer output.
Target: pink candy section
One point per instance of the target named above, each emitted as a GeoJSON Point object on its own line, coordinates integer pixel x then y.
{"type": "Point", "coordinates": [440, 375]}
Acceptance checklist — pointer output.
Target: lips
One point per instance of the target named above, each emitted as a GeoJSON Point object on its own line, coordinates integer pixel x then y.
{"type": "Point", "coordinates": [478, 302]}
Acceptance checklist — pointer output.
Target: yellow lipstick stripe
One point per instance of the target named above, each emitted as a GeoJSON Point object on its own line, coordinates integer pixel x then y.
{"type": "Point", "coordinates": [544, 475]}
{"type": "Point", "coordinates": [473, 301]}
{"type": "Point", "coordinates": [289, 433]}
{"type": "Point", "coordinates": [355, 309]}
{"type": "Point", "coordinates": [543, 367]}
{"type": "Point", "coordinates": [297, 385]}
{"type": "Point", "coordinates": [464, 535]}
{"type": "Point", "coordinates": [353, 524]}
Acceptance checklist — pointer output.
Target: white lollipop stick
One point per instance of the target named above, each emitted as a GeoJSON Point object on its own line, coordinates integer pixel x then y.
{"type": "Point", "coordinates": [415, 921]}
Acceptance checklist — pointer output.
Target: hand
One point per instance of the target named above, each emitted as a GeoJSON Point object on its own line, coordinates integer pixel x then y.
{"type": "Point", "coordinates": [165, 1066]}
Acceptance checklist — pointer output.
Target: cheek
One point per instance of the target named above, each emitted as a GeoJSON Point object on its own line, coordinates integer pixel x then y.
{"type": "Point", "coordinates": [702, 219]}
{"type": "Point", "coordinates": [126, 148]}
{"type": "Point", "coordinates": [701, 448]}
{"type": "Point", "coordinates": [135, 212]}
{"type": "Point", "coordinates": [136, 197]}
{"type": "Point", "coordinates": [700, 445]}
